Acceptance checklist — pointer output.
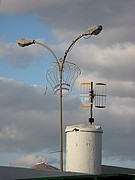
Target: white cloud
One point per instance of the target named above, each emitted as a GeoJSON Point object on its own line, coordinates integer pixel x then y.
{"type": "Point", "coordinates": [110, 63]}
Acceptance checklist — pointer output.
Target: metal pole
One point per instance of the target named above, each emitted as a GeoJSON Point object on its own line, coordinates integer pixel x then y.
{"type": "Point", "coordinates": [61, 126]}
{"type": "Point", "coordinates": [91, 100]}
{"type": "Point", "coordinates": [61, 133]}
{"type": "Point", "coordinates": [61, 119]}
{"type": "Point", "coordinates": [91, 119]}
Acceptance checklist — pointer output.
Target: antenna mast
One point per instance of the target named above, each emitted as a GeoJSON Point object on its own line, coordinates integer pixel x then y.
{"type": "Point", "coordinates": [93, 97]}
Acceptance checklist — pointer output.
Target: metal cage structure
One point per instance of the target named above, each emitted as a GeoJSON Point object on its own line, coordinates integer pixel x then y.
{"type": "Point", "coordinates": [100, 95]}
{"type": "Point", "coordinates": [91, 96]}
{"type": "Point", "coordinates": [70, 73]}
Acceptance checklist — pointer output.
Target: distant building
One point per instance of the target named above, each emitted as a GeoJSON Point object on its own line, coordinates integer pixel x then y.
{"type": "Point", "coordinates": [44, 166]}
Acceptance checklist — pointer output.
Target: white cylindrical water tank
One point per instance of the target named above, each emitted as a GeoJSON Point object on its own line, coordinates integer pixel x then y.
{"type": "Point", "coordinates": [84, 148]}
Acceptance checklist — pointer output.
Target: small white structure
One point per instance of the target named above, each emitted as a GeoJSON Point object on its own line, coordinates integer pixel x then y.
{"type": "Point", "coordinates": [84, 148]}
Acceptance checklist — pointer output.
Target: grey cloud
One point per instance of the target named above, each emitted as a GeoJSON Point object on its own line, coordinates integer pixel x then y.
{"type": "Point", "coordinates": [118, 124]}
{"type": "Point", "coordinates": [26, 117]}
{"type": "Point", "coordinates": [117, 18]}
{"type": "Point", "coordinates": [19, 57]}
{"type": "Point", "coordinates": [29, 120]}
{"type": "Point", "coordinates": [73, 16]}
{"type": "Point", "coordinates": [29, 126]}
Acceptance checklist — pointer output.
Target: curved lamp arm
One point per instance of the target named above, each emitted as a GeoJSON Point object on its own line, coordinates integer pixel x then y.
{"type": "Point", "coordinates": [27, 42]}
{"type": "Point", "coordinates": [93, 30]}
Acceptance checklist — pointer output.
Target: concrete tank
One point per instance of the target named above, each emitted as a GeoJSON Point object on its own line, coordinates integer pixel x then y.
{"type": "Point", "coordinates": [84, 148]}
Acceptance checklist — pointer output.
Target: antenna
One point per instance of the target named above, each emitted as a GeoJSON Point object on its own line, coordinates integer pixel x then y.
{"type": "Point", "coordinates": [93, 97]}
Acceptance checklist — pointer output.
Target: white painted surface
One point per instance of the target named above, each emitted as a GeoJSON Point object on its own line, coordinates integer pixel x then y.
{"type": "Point", "coordinates": [84, 148]}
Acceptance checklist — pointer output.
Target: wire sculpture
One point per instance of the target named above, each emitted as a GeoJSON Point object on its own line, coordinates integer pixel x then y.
{"type": "Point", "coordinates": [90, 97]}
{"type": "Point", "coordinates": [70, 73]}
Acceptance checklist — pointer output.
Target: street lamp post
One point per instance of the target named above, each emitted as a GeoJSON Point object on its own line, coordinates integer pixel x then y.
{"type": "Point", "coordinates": [94, 30]}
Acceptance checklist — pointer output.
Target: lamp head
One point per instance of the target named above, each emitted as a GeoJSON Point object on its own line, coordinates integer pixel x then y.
{"type": "Point", "coordinates": [25, 42]}
{"type": "Point", "coordinates": [94, 30]}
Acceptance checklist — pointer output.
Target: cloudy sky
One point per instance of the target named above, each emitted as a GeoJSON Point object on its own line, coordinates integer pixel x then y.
{"type": "Point", "coordinates": [29, 120]}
